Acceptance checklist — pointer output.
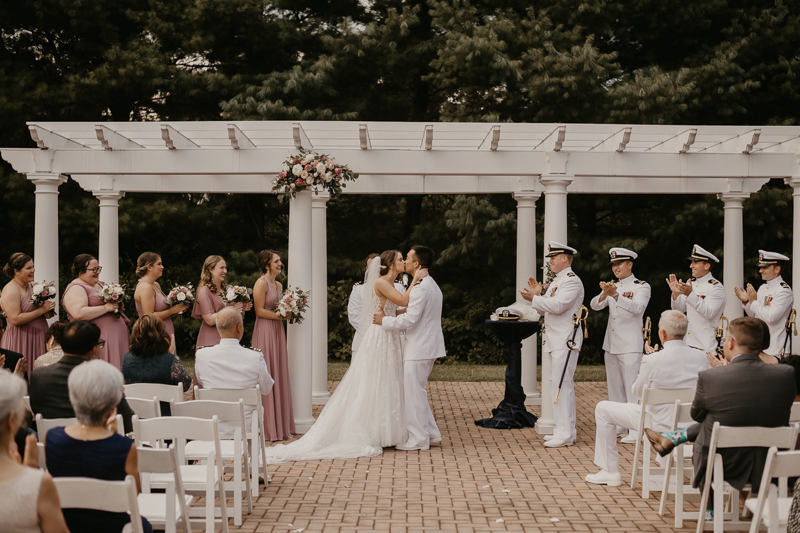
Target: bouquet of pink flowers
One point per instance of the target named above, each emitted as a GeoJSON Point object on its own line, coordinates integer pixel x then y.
{"type": "Point", "coordinates": [43, 291]}
{"type": "Point", "coordinates": [180, 295]}
{"type": "Point", "coordinates": [113, 293]}
{"type": "Point", "coordinates": [292, 304]}
{"type": "Point", "coordinates": [308, 169]}
{"type": "Point", "coordinates": [236, 293]}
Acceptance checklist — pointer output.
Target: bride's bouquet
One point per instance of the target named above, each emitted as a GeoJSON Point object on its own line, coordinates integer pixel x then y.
{"type": "Point", "coordinates": [236, 293]}
{"type": "Point", "coordinates": [113, 293]}
{"type": "Point", "coordinates": [292, 304]}
{"type": "Point", "coordinates": [180, 295]}
{"type": "Point", "coordinates": [43, 291]}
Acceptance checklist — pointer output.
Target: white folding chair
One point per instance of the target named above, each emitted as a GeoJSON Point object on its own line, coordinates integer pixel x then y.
{"type": "Point", "coordinates": [651, 397]}
{"type": "Point", "coordinates": [144, 408]}
{"type": "Point", "coordinates": [233, 448]}
{"type": "Point", "coordinates": [771, 508]}
{"type": "Point", "coordinates": [43, 425]}
{"type": "Point", "coordinates": [205, 480]}
{"type": "Point", "coordinates": [680, 491]}
{"type": "Point", "coordinates": [27, 400]}
{"type": "Point", "coordinates": [256, 434]}
{"type": "Point", "coordinates": [101, 495]}
{"type": "Point", "coordinates": [164, 510]}
{"type": "Point", "coordinates": [164, 393]}
{"type": "Point", "coordinates": [735, 437]}
{"type": "Point", "coordinates": [794, 416]}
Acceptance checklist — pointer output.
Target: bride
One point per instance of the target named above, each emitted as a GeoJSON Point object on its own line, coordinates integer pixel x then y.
{"type": "Point", "coordinates": [365, 412]}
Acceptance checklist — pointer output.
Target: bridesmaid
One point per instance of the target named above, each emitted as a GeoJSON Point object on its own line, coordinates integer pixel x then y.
{"type": "Point", "coordinates": [26, 324]}
{"type": "Point", "coordinates": [208, 302]}
{"type": "Point", "coordinates": [149, 297]}
{"type": "Point", "coordinates": [86, 305]}
{"type": "Point", "coordinates": [270, 338]}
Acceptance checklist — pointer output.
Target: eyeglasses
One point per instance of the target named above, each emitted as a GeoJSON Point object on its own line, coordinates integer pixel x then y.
{"type": "Point", "coordinates": [98, 269]}
{"type": "Point", "coordinates": [101, 343]}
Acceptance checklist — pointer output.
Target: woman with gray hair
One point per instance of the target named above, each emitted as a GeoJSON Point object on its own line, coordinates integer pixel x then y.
{"type": "Point", "coordinates": [91, 448]}
{"type": "Point", "coordinates": [30, 500]}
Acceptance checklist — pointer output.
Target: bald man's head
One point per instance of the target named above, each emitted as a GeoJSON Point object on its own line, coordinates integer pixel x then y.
{"type": "Point", "coordinates": [229, 323]}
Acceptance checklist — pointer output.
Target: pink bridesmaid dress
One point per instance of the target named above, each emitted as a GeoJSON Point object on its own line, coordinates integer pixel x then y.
{"type": "Point", "coordinates": [160, 306]}
{"type": "Point", "coordinates": [206, 303]}
{"type": "Point", "coordinates": [27, 339]}
{"type": "Point", "coordinates": [113, 330]}
{"type": "Point", "coordinates": [270, 338]}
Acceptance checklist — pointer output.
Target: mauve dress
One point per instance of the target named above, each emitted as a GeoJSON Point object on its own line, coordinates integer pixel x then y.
{"type": "Point", "coordinates": [160, 306]}
{"type": "Point", "coordinates": [113, 330]}
{"type": "Point", "coordinates": [27, 339]}
{"type": "Point", "coordinates": [206, 302]}
{"type": "Point", "coordinates": [270, 338]}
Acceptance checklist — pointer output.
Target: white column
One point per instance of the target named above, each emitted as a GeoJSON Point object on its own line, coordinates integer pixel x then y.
{"type": "Point", "coordinates": [555, 229]}
{"type": "Point", "coordinates": [526, 267]}
{"type": "Point", "coordinates": [299, 341]}
{"type": "Point", "coordinates": [45, 233]}
{"type": "Point", "coordinates": [733, 268]}
{"type": "Point", "coordinates": [108, 252]}
{"type": "Point", "coordinates": [319, 292]}
{"type": "Point", "coordinates": [795, 183]}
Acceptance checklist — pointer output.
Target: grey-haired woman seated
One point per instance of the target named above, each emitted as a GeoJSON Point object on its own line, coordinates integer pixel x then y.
{"type": "Point", "coordinates": [92, 448]}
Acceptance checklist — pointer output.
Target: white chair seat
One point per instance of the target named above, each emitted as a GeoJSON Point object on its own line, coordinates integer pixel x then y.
{"type": "Point", "coordinates": [154, 507]}
{"type": "Point", "coordinates": [200, 449]}
{"type": "Point", "coordinates": [190, 474]}
{"type": "Point", "coordinates": [783, 511]}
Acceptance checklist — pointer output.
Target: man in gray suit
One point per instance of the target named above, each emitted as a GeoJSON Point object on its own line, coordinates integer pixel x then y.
{"type": "Point", "coordinates": [745, 392]}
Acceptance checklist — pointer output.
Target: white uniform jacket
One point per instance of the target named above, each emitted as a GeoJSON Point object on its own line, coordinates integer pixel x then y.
{"type": "Point", "coordinates": [354, 302]}
{"type": "Point", "coordinates": [674, 367]}
{"type": "Point", "coordinates": [703, 307]}
{"type": "Point", "coordinates": [422, 322]}
{"type": "Point", "coordinates": [231, 366]}
{"type": "Point", "coordinates": [772, 305]}
{"type": "Point", "coordinates": [624, 329]}
{"type": "Point", "coordinates": [562, 299]}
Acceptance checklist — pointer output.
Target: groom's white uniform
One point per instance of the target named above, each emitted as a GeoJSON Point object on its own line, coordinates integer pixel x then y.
{"type": "Point", "coordinates": [422, 322]}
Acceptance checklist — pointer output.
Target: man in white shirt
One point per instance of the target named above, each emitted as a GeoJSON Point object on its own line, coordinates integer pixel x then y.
{"type": "Point", "coordinates": [772, 303]}
{"type": "Point", "coordinates": [228, 365]}
{"type": "Point", "coordinates": [702, 299]}
{"type": "Point", "coordinates": [626, 300]}
{"type": "Point", "coordinates": [676, 366]}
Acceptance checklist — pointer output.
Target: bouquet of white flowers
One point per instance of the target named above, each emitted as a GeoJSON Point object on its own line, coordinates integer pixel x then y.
{"type": "Point", "coordinates": [180, 295]}
{"type": "Point", "coordinates": [43, 291]}
{"type": "Point", "coordinates": [292, 304]}
{"type": "Point", "coordinates": [236, 293]}
{"type": "Point", "coordinates": [308, 169]}
{"type": "Point", "coordinates": [113, 293]}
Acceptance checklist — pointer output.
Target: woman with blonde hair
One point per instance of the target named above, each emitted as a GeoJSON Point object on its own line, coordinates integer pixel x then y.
{"type": "Point", "coordinates": [148, 296]}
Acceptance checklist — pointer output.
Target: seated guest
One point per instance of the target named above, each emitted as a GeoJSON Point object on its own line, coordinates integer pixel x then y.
{"type": "Point", "coordinates": [92, 448]}
{"type": "Point", "coordinates": [794, 362]}
{"type": "Point", "coordinates": [674, 367]}
{"type": "Point", "coordinates": [52, 341]}
{"type": "Point", "coordinates": [228, 365]}
{"type": "Point", "coordinates": [30, 500]}
{"type": "Point", "coordinates": [49, 389]}
{"type": "Point", "coordinates": [150, 358]}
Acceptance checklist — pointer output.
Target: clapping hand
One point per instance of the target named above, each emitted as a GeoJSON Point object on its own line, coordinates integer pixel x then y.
{"type": "Point", "coordinates": [650, 349]}
{"type": "Point", "coordinates": [751, 292]}
{"type": "Point", "coordinates": [714, 360]}
{"type": "Point", "coordinates": [534, 288]}
{"type": "Point", "coordinates": [172, 349]}
{"type": "Point", "coordinates": [609, 289]}
{"type": "Point", "coordinates": [22, 367]}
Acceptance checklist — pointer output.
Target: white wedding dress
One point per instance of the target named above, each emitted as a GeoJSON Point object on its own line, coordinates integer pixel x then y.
{"type": "Point", "coordinates": [365, 412]}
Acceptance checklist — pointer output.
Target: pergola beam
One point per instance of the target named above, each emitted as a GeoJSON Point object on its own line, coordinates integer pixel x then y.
{"type": "Point", "coordinates": [554, 141]}
{"type": "Point", "coordinates": [616, 142]}
{"type": "Point", "coordinates": [680, 143]}
{"type": "Point", "coordinates": [492, 139]}
{"type": "Point", "coordinates": [111, 140]}
{"type": "Point", "coordinates": [363, 137]}
{"type": "Point", "coordinates": [301, 140]}
{"type": "Point", "coordinates": [175, 139]}
{"type": "Point", "coordinates": [46, 139]}
{"type": "Point", "coordinates": [427, 137]}
{"type": "Point", "coordinates": [238, 138]}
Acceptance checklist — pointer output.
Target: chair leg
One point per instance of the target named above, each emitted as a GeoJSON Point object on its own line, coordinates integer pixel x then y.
{"type": "Point", "coordinates": [645, 469]}
{"type": "Point", "coordinates": [719, 496]}
{"type": "Point", "coordinates": [662, 506]}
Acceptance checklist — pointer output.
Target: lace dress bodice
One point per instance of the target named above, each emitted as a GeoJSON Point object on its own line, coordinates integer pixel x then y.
{"type": "Point", "coordinates": [389, 308]}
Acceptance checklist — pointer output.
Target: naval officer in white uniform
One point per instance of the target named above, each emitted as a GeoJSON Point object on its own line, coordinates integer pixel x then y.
{"type": "Point", "coordinates": [558, 302]}
{"type": "Point", "coordinates": [772, 303]}
{"type": "Point", "coordinates": [626, 301]}
{"type": "Point", "coordinates": [702, 298]}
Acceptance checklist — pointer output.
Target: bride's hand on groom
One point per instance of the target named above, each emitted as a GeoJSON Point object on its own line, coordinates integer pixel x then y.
{"type": "Point", "coordinates": [377, 318]}
{"type": "Point", "coordinates": [418, 275]}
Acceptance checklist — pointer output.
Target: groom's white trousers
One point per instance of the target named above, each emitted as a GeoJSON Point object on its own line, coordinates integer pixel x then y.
{"type": "Point", "coordinates": [419, 417]}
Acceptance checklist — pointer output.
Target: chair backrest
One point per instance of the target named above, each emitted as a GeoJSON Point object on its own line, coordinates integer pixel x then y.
{"type": "Point", "coordinates": [753, 436]}
{"type": "Point", "coordinates": [165, 461]}
{"type": "Point", "coordinates": [145, 408]}
{"type": "Point", "coordinates": [207, 409]}
{"type": "Point", "coordinates": [43, 425]}
{"type": "Point", "coordinates": [146, 391]}
{"type": "Point", "coordinates": [795, 414]}
{"type": "Point", "coordinates": [27, 400]}
{"type": "Point", "coordinates": [249, 396]}
{"type": "Point", "coordinates": [175, 427]}
{"type": "Point", "coordinates": [682, 414]}
{"type": "Point", "coordinates": [101, 495]}
{"type": "Point", "coordinates": [661, 396]}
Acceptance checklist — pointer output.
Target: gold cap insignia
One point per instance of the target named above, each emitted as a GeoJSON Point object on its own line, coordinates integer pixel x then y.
{"type": "Point", "coordinates": [613, 255]}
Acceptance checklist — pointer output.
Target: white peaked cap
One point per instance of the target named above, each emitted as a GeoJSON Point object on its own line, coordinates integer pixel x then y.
{"type": "Point", "coordinates": [766, 258]}
{"type": "Point", "coordinates": [556, 248]}
{"type": "Point", "coordinates": [701, 254]}
{"type": "Point", "coordinates": [622, 254]}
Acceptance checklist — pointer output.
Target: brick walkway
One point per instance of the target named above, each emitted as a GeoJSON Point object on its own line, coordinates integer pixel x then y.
{"type": "Point", "coordinates": [444, 489]}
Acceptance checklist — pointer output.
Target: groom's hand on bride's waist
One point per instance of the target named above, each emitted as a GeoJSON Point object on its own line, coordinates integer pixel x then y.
{"type": "Point", "coordinates": [377, 318]}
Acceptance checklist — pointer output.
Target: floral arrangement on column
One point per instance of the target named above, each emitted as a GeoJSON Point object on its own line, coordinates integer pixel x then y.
{"type": "Point", "coordinates": [308, 169]}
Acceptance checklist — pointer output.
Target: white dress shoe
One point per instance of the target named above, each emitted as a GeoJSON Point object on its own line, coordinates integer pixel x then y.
{"type": "Point", "coordinates": [605, 478]}
{"type": "Point", "coordinates": [407, 447]}
{"type": "Point", "coordinates": [630, 438]}
{"type": "Point", "coordinates": [549, 437]}
{"type": "Point", "coordinates": [436, 440]}
{"type": "Point", "coordinates": [558, 443]}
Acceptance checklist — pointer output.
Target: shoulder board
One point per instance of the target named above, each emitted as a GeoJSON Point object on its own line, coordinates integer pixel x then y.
{"type": "Point", "coordinates": [641, 282]}
{"type": "Point", "coordinates": [695, 348]}
{"type": "Point", "coordinates": [713, 282]}
{"type": "Point", "coordinates": [784, 285]}
{"type": "Point", "coordinates": [252, 348]}
{"type": "Point", "coordinates": [417, 283]}
{"type": "Point", "coordinates": [571, 274]}
{"type": "Point", "coordinates": [201, 347]}
{"type": "Point", "coordinates": [357, 283]}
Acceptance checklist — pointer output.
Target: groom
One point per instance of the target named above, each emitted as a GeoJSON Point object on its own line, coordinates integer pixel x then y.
{"type": "Point", "coordinates": [422, 322]}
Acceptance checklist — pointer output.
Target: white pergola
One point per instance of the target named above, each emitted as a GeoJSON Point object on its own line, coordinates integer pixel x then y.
{"type": "Point", "coordinates": [526, 160]}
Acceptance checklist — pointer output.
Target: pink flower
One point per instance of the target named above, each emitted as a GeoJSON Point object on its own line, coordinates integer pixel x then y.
{"type": "Point", "coordinates": [44, 293]}
{"type": "Point", "coordinates": [299, 182]}
{"type": "Point", "coordinates": [282, 174]}
{"type": "Point", "coordinates": [309, 168]}
{"type": "Point", "coordinates": [338, 171]}
{"type": "Point", "coordinates": [185, 291]}
{"type": "Point", "coordinates": [296, 160]}
{"type": "Point", "coordinates": [324, 159]}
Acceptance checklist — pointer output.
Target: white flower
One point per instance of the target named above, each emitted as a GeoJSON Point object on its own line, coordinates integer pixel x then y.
{"type": "Point", "coordinates": [37, 289]}
{"type": "Point", "coordinates": [321, 168]}
{"type": "Point", "coordinates": [181, 297]}
{"type": "Point", "coordinates": [297, 170]}
{"type": "Point", "coordinates": [118, 290]}
{"type": "Point", "coordinates": [304, 175]}
{"type": "Point", "coordinates": [231, 294]}
{"type": "Point", "coordinates": [328, 177]}
{"type": "Point", "coordinates": [285, 167]}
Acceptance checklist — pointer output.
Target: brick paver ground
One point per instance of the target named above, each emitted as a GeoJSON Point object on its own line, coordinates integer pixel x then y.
{"type": "Point", "coordinates": [445, 489]}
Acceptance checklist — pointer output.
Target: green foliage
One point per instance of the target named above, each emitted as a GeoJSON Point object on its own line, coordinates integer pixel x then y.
{"type": "Point", "coordinates": [340, 332]}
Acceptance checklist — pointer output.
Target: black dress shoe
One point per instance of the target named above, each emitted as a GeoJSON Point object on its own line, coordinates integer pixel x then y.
{"type": "Point", "coordinates": [662, 445]}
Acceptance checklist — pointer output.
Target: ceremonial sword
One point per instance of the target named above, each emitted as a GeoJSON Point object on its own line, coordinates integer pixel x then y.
{"type": "Point", "coordinates": [790, 321]}
{"type": "Point", "coordinates": [576, 322]}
